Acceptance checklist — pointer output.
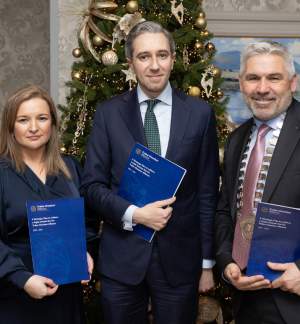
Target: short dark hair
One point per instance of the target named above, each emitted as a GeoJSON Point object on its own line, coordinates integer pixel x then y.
{"type": "Point", "coordinates": [147, 27]}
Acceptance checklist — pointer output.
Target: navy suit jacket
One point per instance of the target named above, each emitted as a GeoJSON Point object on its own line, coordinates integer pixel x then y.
{"type": "Point", "coordinates": [282, 187]}
{"type": "Point", "coordinates": [188, 236]}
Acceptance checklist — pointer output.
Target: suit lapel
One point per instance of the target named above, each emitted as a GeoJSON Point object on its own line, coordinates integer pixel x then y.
{"type": "Point", "coordinates": [288, 139]}
{"type": "Point", "coordinates": [131, 115]}
{"type": "Point", "coordinates": [179, 121]}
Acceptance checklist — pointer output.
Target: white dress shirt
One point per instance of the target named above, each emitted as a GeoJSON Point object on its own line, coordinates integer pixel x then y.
{"type": "Point", "coordinates": [273, 124]}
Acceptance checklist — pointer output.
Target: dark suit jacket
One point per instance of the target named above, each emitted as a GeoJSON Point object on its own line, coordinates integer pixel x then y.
{"type": "Point", "coordinates": [15, 189]}
{"type": "Point", "coordinates": [188, 236]}
{"type": "Point", "coordinates": [282, 187]}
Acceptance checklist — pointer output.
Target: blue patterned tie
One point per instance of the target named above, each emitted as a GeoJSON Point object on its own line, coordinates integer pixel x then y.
{"type": "Point", "coordinates": [151, 127]}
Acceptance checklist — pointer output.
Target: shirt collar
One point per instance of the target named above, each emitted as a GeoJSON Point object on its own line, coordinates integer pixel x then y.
{"type": "Point", "coordinates": [165, 96]}
{"type": "Point", "coordinates": [271, 122]}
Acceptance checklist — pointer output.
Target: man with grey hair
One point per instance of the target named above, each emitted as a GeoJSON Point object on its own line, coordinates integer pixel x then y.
{"type": "Point", "coordinates": [262, 163]}
{"type": "Point", "coordinates": [181, 128]}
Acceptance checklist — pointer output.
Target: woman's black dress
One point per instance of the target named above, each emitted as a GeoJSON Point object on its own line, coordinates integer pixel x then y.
{"type": "Point", "coordinates": [16, 306]}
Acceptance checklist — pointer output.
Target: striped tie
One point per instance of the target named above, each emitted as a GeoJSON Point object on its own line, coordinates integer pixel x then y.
{"type": "Point", "coordinates": [241, 243]}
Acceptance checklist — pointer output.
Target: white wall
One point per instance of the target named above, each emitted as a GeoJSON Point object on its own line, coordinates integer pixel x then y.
{"type": "Point", "coordinates": [66, 17]}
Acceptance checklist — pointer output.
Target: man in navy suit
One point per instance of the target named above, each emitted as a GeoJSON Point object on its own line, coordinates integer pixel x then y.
{"type": "Point", "coordinates": [177, 263]}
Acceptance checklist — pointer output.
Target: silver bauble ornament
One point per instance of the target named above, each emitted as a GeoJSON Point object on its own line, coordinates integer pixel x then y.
{"type": "Point", "coordinates": [109, 58]}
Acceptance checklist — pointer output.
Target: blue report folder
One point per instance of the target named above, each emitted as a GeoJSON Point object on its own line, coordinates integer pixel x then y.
{"type": "Point", "coordinates": [58, 240]}
{"type": "Point", "coordinates": [276, 238]}
{"type": "Point", "coordinates": [148, 177]}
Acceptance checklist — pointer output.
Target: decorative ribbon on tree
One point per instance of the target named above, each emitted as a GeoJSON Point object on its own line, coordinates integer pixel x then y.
{"type": "Point", "coordinates": [96, 9]}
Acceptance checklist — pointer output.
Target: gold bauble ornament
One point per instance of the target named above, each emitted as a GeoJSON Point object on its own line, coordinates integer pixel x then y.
{"type": "Point", "coordinates": [76, 75]}
{"type": "Point", "coordinates": [200, 23]}
{"type": "Point", "coordinates": [97, 40]}
{"type": "Point", "coordinates": [204, 33]}
{"type": "Point", "coordinates": [210, 47]}
{"type": "Point", "coordinates": [216, 72]}
{"type": "Point", "coordinates": [201, 14]}
{"type": "Point", "coordinates": [132, 6]}
{"type": "Point", "coordinates": [199, 47]}
{"type": "Point", "coordinates": [109, 58]}
{"type": "Point", "coordinates": [63, 149]}
{"type": "Point", "coordinates": [194, 91]}
{"type": "Point", "coordinates": [76, 52]}
{"type": "Point", "coordinates": [220, 94]}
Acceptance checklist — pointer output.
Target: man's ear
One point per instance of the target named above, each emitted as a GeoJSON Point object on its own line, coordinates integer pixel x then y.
{"type": "Point", "coordinates": [129, 61]}
{"type": "Point", "coordinates": [174, 59]}
{"type": "Point", "coordinates": [130, 64]}
{"type": "Point", "coordinates": [294, 83]}
{"type": "Point", "coordinates": [240, 82]}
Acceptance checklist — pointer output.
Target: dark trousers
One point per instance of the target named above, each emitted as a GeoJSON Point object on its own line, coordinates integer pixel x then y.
{"type": "Point", "coordinates": [258, 307]}
{"type": "Point", "coordinates": [124, 304]}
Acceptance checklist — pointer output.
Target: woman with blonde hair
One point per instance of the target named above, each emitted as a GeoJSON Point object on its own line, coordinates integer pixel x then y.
{"type": "Point", "coordinates": [32, 168]}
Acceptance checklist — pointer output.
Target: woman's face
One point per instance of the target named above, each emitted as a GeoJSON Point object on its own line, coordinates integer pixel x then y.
{"type": "Point", "coordinates": [33, 125]}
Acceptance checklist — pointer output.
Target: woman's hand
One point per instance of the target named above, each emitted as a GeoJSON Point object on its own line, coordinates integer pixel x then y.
{"type": "Point", "coordinates": [39, 287]}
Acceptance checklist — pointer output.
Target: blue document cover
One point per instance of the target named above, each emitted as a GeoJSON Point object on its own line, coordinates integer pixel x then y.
{"type": "Point", "coordinates": [276, 238]}
{"type": "Point", "coordinates": [58, 241]}
{"type": "Point", "coordinates": [148, 177]}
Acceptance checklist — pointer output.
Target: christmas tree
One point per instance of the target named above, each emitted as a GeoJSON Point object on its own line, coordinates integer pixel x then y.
{"type": "Point", "coordinates": [101, 71]}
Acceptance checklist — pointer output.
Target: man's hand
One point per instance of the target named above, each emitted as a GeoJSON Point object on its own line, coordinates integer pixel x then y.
{"type": "Point", "coordinates": [154, 215]}
{"type": "Point", "coordinates": [90, 263]}
{"type": "Point", "coordinates": [38, 287]}
{"type": "Point", "coordinates": [233, 273]}
{"type": "Point", "coordinates": [289, 280]}
{"type": "Point", "coordinates": [206, 282]}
